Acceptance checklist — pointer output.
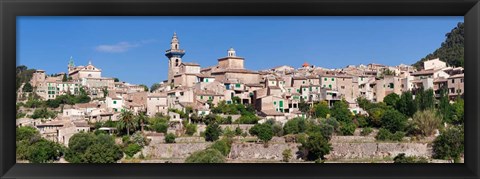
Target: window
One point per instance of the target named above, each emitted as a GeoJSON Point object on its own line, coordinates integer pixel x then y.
{"type": "Point", "coordinates": [274, 103]}
{"type": "Point", "coordinates": [303, 82]}
{"type": "Point", "coordinates": [304, 89]}
{"type": "Point", "coordinates": [330, 86]}
{"type": "Point", "coordinates": [453, 80]}
{"type": "Point", "coordinates": [289, 90]}
{"type": "Point", "coordinates": [210, 97]}
{"type": "Point", "coordinates": [115, 109]}
{"type": "Point", "coordinates": [343, 87]}
{"type": "Point", "coordinates": [333, 79]}
{"type": "Point", "coordinates": [391, 85]}
{"type": "Point", "coordinates": [201, 97]}
{"type": "Point", "coordinates": [325, 79]}
{"type": "Point", "coordinates": [206, 79]}
{"type": "Point", "coordinates": [114, 102]}
{"type": "Point", "coordinates": [237, 85]}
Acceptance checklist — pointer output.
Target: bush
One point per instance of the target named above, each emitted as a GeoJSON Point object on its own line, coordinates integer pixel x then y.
{"type": "Point", "coordinates": [170, 138]}
{"type": "Point", "coordinates": [212, 132]}
{"type": "Point", "coordinates": [206, 156]}
{"type": "Point", "coordinates": [449, 144]}
{"type": "Point", "coordinates": [386, 135]}
{"type": "Point", "coordinates": [317, 147]}
{"type": "Point", "coordinates": [426, 122]}
{"type": "Point", "coordinates": [393, 121]}
{"type": "Point", "coordinates": [263, 131]}
{"type": "Point", "coordinates": [132, 149]}
{"type": "Point", "coordinates": [91, 148]}
{"type": "Point", "coordinates": [247, 119]}
{"type": "Point", "coordinates": [287, 155]}
{"type": "Point", "coordinates": [401, 158]}
{"type": "Point", "coordinates": [238, 131]}
{"type": "Point", "coordinates": [347, 128]}
{"type": "Point", "coordinates": [43, 113]}
{"type": "Point", "coordinates": [191, 129]}
{"type": "Point", "coordinates": [366, 131]}
{"type": "Point", "coordinates": [295, 126]}
{"type": "Point", "coordinates": [44, 151]}
{"type": "Point", "coordinates": [223, 146]}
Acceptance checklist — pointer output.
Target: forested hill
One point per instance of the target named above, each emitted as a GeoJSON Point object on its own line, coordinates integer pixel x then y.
{"type": "Point", "coordinates": [451, 50]}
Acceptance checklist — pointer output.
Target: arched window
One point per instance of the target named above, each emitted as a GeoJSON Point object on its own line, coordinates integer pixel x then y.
{"type": "Point", "coordinates": [176, 62]}
{"type": "Point", "coordinates": [176, 46]}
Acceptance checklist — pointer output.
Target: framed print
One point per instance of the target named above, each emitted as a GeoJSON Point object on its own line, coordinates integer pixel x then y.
{"type": "Point", "coordinates": [230, 89]}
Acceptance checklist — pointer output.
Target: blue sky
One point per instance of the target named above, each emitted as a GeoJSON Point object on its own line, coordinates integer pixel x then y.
{"type": "Point", "coordinates": [132, 48]}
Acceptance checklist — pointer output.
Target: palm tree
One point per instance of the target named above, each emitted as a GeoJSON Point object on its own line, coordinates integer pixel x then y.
{"type": "Point", "coordinates": [141, 118]}
{"type": "Point", "coordinates": [127, 120]}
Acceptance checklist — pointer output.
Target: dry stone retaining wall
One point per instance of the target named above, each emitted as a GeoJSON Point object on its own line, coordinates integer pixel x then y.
{"type": "Point", "coordinates": [175, 150]}
{"type": "Point", "coordinates": [258, 151]}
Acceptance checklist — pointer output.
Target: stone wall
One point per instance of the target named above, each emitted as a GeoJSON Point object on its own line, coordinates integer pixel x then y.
{"type": "Point", "coordinates": [371, 150]}
{"type": "Point", "coordinates": [258, 151]}
{"type": "Point", "coordinates": [173, 151]}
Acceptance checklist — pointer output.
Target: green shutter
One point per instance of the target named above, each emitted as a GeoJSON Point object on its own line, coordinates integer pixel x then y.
{"type": "Point", "coordinates": [333, 79]}
{"type": "Point", "coordinates": [281, 104]}
{"type": "Point", "coordinates": [237, 85]}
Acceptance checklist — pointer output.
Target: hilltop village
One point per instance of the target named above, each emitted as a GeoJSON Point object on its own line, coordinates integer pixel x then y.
{"type": "Point", "coordinates": [83, 101]}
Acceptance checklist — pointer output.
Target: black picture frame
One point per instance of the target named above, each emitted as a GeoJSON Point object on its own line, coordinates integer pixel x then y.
{"type": "Point", "coordinates": [10, 9]}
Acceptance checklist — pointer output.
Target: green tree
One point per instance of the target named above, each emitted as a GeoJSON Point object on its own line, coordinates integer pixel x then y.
{"type": "Point", "coordinates": [393, 121]}
{"type": "Point", "coordinates": [212, 132]}
{"type": "Point", "coordinates": [317, 147]}
{"type": "Point", "coordinates": [391, 99]}
{"type": "Point", "coordinates": [406, 104]}
{"type": "Point", "coordinates": [347, 128]}
{"type": "Point", "coordinates": [141, 118]}
{"type": "Point", "coordinates": [127, 121]}
{"type": "Point", "coordinates": [91, 148]}
{"type": "Point", "coordinates": [321, 109]}
{"type": "Point", "coordinates": [170, 138]}
{"type": "Point", "coordinates": [449, 144]}
{"type": "Point", "coordinates": [43, 113]}
{"type": "Point", "coordinates": [206, 156]}
{"type": "Point", "coordinates": [263, 131]}
{"type": "Point", "coordinates": [44, 151]}
{"type": "Point", "coordinates": [145, 88]}
{"type": "Point", "coordinates": [26, 133]}
{"type": "Point", "coordinates": [444, 107]}
{"type": "Point", "coordinates": [425, 99]}
{"type": "Point", "coordinates": [341, 112]}
{"type": "Point", "coordinates": [27, 87]}
{"type": "Point", "coordinates": [64, 79]}
{"type": "Point", "coordinates": [154, 87]}
{"type": "Point", "coordinates": [303, 106]}
{"type": "Point", "coordinates": [458, 111]}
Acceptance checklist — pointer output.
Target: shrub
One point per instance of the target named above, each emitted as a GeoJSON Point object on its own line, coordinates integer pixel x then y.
{"type": "Point", "coordinates": [425, 122]}
{"type": "Point", "coordinates": [238, 131]}
{"type": "Point", "coordinates": [44, 151]}
{"type": "Point", "coordinates": [206, 156]}
{"type": "Point", "coordinates": [223, 146]}
{"type": "Point", "coordinates": [287, 155]}
{"type": "Point", "coordinates": [393, 121]}
{"type": "Point", "coordinates": [347, 128]}
{"type": "Point", "coordinates": [91, 148]}
{"type": "Point", "coordinates": [449, 144]}
{"type": "Point", "coordinates": [317, 147]}
{"type": "Point", "coordinates": [366, 131]}
{"type": "Point", "coordinates": [401, 158]}
{"type": "Point", "coordinates": [191, 129]}
{"type": "Point", "coordinates": [386, 135]}
{"type": "Point", "coordinates": [212, 132]}
{"type": "Point", "coordinates": [170, 138]}
{"type": "Point", "coordinates": [132, 149]}
{"type": "Point", "coordinates": [263, 131]}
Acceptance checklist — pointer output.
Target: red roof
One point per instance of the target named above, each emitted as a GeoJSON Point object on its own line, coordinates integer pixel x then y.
{"type": "Point", "coordinates": [305, 64]}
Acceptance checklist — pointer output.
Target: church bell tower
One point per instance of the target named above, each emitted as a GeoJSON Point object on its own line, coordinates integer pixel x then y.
{"type": "Point", "coordinates": [174, 55]}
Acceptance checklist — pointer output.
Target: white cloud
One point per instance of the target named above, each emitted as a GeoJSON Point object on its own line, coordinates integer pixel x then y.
{"type": "Point", "coordinates": [121, 46]}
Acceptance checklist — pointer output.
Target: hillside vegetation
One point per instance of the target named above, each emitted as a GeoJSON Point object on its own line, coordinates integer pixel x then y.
{"type": "Point", "coordinates": [451, 51]}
